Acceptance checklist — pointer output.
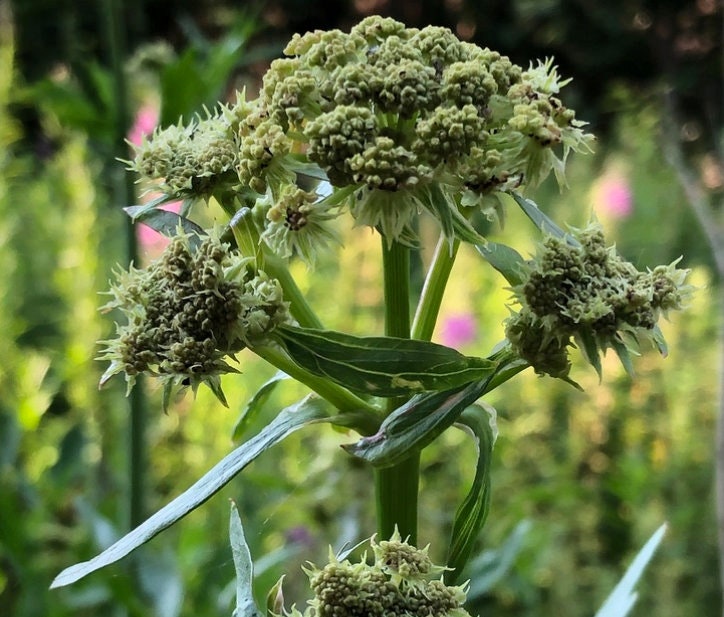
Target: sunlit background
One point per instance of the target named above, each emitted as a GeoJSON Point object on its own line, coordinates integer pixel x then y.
{"type": "Point", "coordinates": [580, 479]}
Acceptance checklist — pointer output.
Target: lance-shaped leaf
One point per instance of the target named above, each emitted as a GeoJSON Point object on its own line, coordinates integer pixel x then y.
{"type": "Point", "coordinates": [470, 516]}
{"type": "Point", "coordinates": [380, 365]}
{"type": "Point", "coordinates": [624, 596]}
{"type": "Point", "coordinates": [163, 221]}
{"type": "Point", "coordinates": [418, 422]}
{"type": "Point", "coordinates": [244, 568]}
{"type": "Point", "coordinates": [541, 220]}
{"type": "Point", "coordinates": [256, 404]}
{"type": "Point", "coordinates": [309, 410]}
{"type": "Point", "coordinates": [453, 223]}
{"type": "Point", "coordinates": [504, 259]}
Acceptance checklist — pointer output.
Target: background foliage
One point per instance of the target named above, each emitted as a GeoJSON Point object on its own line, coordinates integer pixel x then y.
{"type": "Point", "coordinates": [580, 480]}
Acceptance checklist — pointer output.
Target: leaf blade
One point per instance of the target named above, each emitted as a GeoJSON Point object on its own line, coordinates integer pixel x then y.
{"type": "Point", "coordinates": [381, 366]}
{"type": "Point", "coordinates": [309, 410]}
{"type": "Point", "coordinates": [418, 422]}
{"type": "Point", "coordinates": [541, 220]}
{"type": "Point", "coordinates": [163, 221]}
{"type": "Point", "coordinates": [473, 511]}
{"type": "Point", "coordinates": [504, 259]}
{"type": "Point", "coordinates": [243, 567]}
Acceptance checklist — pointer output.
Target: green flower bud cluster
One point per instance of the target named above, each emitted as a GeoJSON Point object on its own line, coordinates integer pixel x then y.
{"type": "Point", "coordinates": [189, 161]}
{"type": "Point", "coordinates": [578, 289]}
{"type": "Point", "coordinates": [187, 311]}
{"type": "Point", "coordinates": [398, 584]}
{"type": "Point", "coordinates": [391, 109]}
{"type": "Point", "coordinates": [382, 112]}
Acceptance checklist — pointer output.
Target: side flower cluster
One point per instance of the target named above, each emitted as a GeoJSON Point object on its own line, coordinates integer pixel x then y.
{"type": "Point", "coordinates": [400, 583]}
{"type": "Point", "coordinates": [189, 310]}
{"type": "Point", "coordinates": [578, 290]}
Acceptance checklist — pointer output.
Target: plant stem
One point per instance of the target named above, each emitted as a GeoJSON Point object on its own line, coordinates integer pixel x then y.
{"type": "Point", "coordinates": [396, 487]}
{"type": "Point", "coordinates": [124, 190]}
{"type": "Point", "coordinates": [247, 239]}
{"type": "Point", "coordinates": [434, 288]}
{"type": "Point", "coordinates": [298, 305]}
{"type": "Point", "coordinates": [366, 417]}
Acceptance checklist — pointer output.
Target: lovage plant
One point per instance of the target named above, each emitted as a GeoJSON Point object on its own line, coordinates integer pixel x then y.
{"type": "Point", "coordinates": [385, 124]}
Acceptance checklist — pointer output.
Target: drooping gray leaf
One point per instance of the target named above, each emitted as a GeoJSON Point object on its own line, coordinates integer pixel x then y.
{"type": "Point", "coordinates": [541, 220]}
{"type": "Point", "coordinates": [309, 410]}
{"type": "Point", "coordinates": [164, 222]}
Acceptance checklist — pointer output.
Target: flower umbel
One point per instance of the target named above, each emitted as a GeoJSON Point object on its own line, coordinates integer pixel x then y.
{"type": "Point", "coordinates": [578, 289]}
{"type": "Point", "coordinates": [187, 311]}
{"type": "Point", "coordinates": [398, 120]}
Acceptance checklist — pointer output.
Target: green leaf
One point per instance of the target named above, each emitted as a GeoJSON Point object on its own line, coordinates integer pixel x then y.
{"type": "Point", "coordinates": [624, 354]}
{"type": "Point", "coordinates": [452, 222]}
{"type": "Point", "coordinates": [488, 568]}
{"type": "Point", "coordinates": [660, 341]}
{"type": "Point", "coordinates": [309, 410]}
{"type": "Point", "coordinates": [541, 220]}
{"type": "Point", "coordinates": [275, 598]}
{"type": "Point", "coordinates": [381, 366]}
{"type": "Point", "coordinates": [256, 404]}
{"type": "Point", "coordinates": [587, 341]}
{"type": "Point", "coordinates": [504, 259]}
{"type": "Point", "coordinates": [163, 221]}
{"type": "Point", "coordinates": [424, 417]}
{"type": "Point", "coordinates": [470, 516]}
{"type": "Point", "coordinates": [243, 566]}
{"type": "Point", "coordinates": [623, 597]}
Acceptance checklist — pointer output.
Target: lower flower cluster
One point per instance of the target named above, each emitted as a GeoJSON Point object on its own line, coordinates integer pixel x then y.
{"type": "Point", "coordinates": [399, 583]}
{"type": "Point", "coordinates": [188, 311]}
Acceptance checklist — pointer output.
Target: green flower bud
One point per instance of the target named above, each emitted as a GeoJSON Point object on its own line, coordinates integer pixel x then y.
{"type": "Point", "coordinates": [263, 160]}
{"type": "Point", "coordinates": [392, 109]}
{"type": "Point", "coordinates": [298, 223]}
{"type": "Point", "coordinates": [335, 137]}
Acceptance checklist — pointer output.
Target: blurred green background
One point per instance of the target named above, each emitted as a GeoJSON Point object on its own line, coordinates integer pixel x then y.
{"type": "Point", "coordinates": [580, 479]}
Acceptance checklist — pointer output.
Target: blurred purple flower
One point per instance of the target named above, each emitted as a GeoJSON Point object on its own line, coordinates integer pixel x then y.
{"type": "Point", "coordinates": [299, 535]}
{"type": "Point", "coordinates": [458, 330]}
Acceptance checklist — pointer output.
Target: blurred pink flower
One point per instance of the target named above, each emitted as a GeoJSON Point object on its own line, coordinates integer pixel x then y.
{"type": "Point", "coordinates": [613, 196]}
{"type": "Point", "coordinates": [143, 124]}
{"type": "Point", "coordinates": [458, 330]}
{"type": "Point", "coordinates": [151, 242]}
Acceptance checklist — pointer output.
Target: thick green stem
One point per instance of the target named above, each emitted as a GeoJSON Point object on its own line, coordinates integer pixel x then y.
{"type": "Point", "coordinates": [363, 417]}
{"type": "Point", "coordinates": [396, 487]}
{"type": "Point", "coordinates": [434, 288]}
